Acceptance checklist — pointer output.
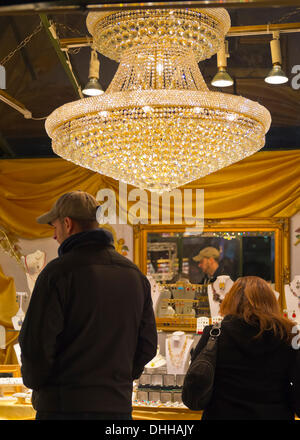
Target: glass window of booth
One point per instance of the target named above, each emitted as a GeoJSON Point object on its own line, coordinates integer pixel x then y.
{"type": "Point", "coordinates": [170, 255]}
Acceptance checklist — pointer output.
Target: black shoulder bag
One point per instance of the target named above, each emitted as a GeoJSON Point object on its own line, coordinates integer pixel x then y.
{"type": "Point", "coordinates": [199, 379]}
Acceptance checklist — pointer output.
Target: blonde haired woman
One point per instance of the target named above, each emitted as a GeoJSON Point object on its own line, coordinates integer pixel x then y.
{"type": "Point", "coordinates": [258, 370]}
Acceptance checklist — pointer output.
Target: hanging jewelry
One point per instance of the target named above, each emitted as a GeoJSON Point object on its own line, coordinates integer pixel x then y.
{"type": "Point", "coordinates": [177, 358]}
{"type": "Point", "coordinates": [296, 294]}
{"type": "Point", "coordinates": [216, 296]}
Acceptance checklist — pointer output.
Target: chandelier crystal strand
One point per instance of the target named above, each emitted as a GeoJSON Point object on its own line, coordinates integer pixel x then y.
{"type": "Point", "coordinates": [158, 126]}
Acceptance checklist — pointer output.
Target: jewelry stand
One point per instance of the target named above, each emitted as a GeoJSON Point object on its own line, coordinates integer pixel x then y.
{"type": "Point", "coordinates": [18, 319]}
{"type": "Point", "coordinates": [17, 349]}
{"type": "Point", "coordinates": [184, 291]}
{"type": "Point", "coordinates": [202, 322]}
{"type": "Point", "coordinates": [178, 347]}
{"type": "Point", "coordinates": [292, 298]}
{"type": "Point", "coordinates": [155, 293]}
{"type": "Point", "coordinates": [163, 307]}
{"type": "Point", "coordinates": [157, 362]}
{"type": "Point", "coordinates": [34, 263]}
{"type": "Point", "coordinates": [216, 293]}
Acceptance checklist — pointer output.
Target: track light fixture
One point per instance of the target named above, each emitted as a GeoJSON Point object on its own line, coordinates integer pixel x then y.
{"type": "Point", "coordinates": [93, 86]}
{"type": "Point", "coordinates": [222, 77]}
{"type": "Point", "coordinates": [276, 75]}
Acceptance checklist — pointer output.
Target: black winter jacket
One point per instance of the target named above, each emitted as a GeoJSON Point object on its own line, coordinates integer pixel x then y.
{"type": "Point", "coordinates": [253, 376]}
{"type": "Point", "coordinates": [89, 329]}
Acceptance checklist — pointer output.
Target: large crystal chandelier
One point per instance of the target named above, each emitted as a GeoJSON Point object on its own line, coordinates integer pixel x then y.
{"type": "Point", "coordinates": [158, 126]}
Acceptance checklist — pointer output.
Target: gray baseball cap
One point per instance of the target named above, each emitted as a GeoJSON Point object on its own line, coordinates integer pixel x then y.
{"type": "Point", "coordinates": [77, 205]}
{"type": "Point", "coordinates": [207, 253]}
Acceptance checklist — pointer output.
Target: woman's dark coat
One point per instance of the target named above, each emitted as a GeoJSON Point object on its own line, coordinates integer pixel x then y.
{"type": "Point", "coordinates": [256, 379]}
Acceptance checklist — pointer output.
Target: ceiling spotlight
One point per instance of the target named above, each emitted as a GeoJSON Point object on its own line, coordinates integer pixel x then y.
{"type": "Point", "coordinates": [276, 75]}
{"type": "Point", "coordinates": [222, 78]}
{"type": "Point", "coordinates": [93, 86]}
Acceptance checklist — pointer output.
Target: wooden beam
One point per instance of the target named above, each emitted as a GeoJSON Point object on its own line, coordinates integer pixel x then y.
{"type": "Point", "coordinates": [61, 56]}
{"type": "Point", "coordinates": [23, 50]}
{"type": "Point", "coordinates": [12, 102]}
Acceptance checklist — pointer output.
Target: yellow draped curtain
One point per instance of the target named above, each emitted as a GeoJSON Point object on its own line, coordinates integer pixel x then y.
{"type": "Point", "coordinates": [263, 185]}
{"type": "Point", "coordinates": [8, 309]}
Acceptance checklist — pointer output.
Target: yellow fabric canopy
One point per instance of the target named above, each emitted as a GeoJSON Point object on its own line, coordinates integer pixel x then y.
{"type": "Point", "coordinates": [8, 309]}
{"type": "Point", "coordinates": [263, 185]}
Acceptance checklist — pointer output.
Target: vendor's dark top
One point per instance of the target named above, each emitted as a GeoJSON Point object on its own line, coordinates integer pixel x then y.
{"type": "Point", "coordinates": [89, 329]}
{"type": "Point", "coordinates": [253, 376]}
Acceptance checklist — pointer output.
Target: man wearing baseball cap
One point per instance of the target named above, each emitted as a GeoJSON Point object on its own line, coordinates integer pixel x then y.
{"type": "Point", "coordinates": [208, 261]}
{"type": "Point", "coordinates": [90, 328]}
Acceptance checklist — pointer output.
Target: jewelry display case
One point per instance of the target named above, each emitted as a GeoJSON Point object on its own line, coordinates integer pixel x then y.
{"type": "Point", "coordinates": [160, 385]}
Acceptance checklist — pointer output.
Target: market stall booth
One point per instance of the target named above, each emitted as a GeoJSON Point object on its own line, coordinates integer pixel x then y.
{"type": "Point", "coordinates": [252, 223]}
{"type": "Point", "coordinates": [173, 161]}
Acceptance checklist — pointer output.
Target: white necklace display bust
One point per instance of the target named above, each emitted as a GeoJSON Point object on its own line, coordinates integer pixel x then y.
{"type": "Point", "coordinates": [157, 362]}
{"type": "Point", "coordinates": [292, 298]}
{"type": "Point", "coordinates": [178, 347]}
{"type": "Point", "coordinates": [217, 291]}
{"type": "Point", "coordinates": [34, 263]}
{"type": "Point", "coordinates": [155, 292]}
{"type": "Point", "coordinates": [18, 319]}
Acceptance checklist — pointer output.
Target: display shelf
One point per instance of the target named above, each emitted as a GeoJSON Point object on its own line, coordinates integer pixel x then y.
{"type": "Point", "coordinates": [176, 323]}
{"type": "Point", "coordinates": [13, 381]}
{"type": "Point", "coordinates": [148, 412]}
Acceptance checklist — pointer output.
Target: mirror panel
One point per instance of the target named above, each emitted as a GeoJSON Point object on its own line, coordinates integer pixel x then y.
{"type": "Point", "coordinates": [170, 256]}
{"type": "Point", "coordinates": [166, 254]}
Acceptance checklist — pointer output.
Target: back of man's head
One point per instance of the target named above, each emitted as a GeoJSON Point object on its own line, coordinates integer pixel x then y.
{"type": "Point", "coordinates": [80, 206]}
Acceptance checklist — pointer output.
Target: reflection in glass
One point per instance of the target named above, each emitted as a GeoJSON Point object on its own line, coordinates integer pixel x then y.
{"type": "Point", "coordinates": [170, 256]}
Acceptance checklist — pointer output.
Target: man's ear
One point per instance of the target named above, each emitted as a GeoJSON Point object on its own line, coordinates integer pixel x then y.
{"type": "Point", "coordinates": [68, 223]}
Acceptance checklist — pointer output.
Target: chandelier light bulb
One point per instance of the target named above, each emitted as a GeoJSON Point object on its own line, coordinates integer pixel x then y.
{"type": "Point", "coordinates": [276, 74]}
{"type": "Point", "coordinates": [93, 87]}
{"type": "Point", "coordinates": [158, 126]}
{"type": "Point", "coordinates": [222, 77]}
